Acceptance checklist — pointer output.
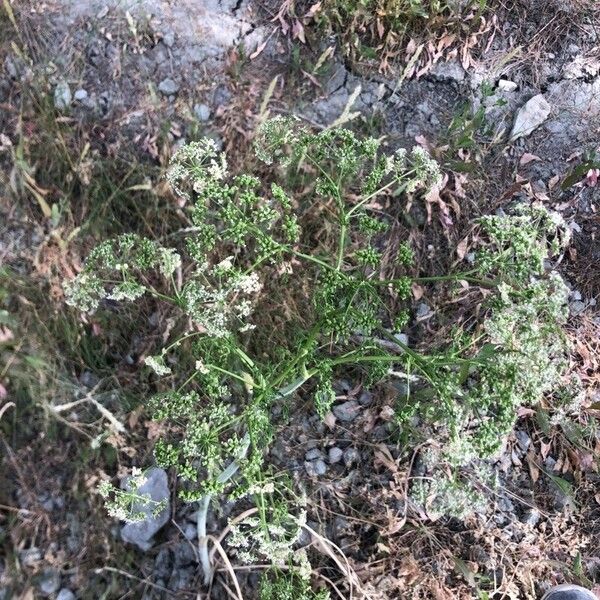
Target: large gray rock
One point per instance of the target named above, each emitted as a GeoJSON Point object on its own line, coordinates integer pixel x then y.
{"type": "Point", "coordinates": [141, 533]}
{"type": "Point", "coordinates": [530, 117]}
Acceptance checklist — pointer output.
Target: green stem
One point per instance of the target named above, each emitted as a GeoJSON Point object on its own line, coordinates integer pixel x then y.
{"type": "Point", "coordinates": [342, 243]}
{"type": "Point", "coordinates": [313, 259]}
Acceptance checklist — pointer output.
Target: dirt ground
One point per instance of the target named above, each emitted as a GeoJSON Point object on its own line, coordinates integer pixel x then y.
{"type": "Point", "coordinates": [129, 81]}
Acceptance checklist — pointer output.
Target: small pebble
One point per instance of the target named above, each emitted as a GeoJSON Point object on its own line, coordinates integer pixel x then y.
{"type": "Point", "coordinates": [531, 517]}
{"type": "Point", "coordinates": [80, 95]}
{"type": "Point", "coordinates": [506, 85]}
{"type": "Point", "coordinates": [313, 454]}
{"type": "Point", "coordinates": [402, 338]}
{"type": "Point", "coordinates": [335, 455]}
{"type": "Point", "coordinates": [168, 87]}
{"type": "Point", "coordinates": [49, 582]}
{"type": "Point", "coordinates": [315, 468]}
{"type": "Point", "coordinates": [190, 531]}
{"type": "Point", "coordinates": [168, 39]}
{"type": "Point", "coordinates": [577, 307]}
{"type": "Point", "coordinates": [365, 398]}
{"type": "Point", "coordinates": [65, 594]}
{"type": "Point", "coordinates": [347, 411]}
{"type": "Point", "coordinates": [423, 310]}
{"type": "Point", "coordinates": [202, 112]}
{"type": "Point", "coordinates": [351, 457]}
{"type": "Point", "coordinates": [523, 440]}
{"type": "Point", "coordinates": [30, 556]}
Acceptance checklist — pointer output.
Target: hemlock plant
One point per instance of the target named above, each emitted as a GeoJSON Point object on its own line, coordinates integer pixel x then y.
{"type": "Point", "coordinates": [272, 306]}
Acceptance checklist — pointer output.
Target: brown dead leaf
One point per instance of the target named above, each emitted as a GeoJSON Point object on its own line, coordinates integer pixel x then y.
{"type": "Point", "coordinates": [382, 456]}
{"type": "Point", "coordinates": [417, 291]}
{"type": "Point", "coordinates": [527, 158]}
{"type": "Point", "coordinates": [410, 570]}
{"type": "Point", "coordinates": [298, 31]}
{"type": "Point", "coordinates": [461, 249]}
{"type": "Point", "coordinates": [259, 49]}
{"type": "Point", "coordinates": [440, 592]}
{"type": "Point", "coordinates": [154, 429]}
{"type": "Point", "coordinates": [313, 10]}
{"type": "Point", "coordinates": [544, 450]}
{"type": "Point", "coordinates": [553, 182]}
{"type": "Point", "coordinates": [534, 470]}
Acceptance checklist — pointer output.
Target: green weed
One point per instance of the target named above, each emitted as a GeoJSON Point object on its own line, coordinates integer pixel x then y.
{"type": "Point", "coordinates": [248, 258]}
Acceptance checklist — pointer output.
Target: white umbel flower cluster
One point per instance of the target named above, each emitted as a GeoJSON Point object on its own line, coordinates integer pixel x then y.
{"type": "Point", "coordinates": [255, 541]}
{"type": "Point", "coordinates": [225, 306]}
{"type": "Point", "coordinates": [196, 164]}
{"type": "Point", "coordinates": [157, 364]}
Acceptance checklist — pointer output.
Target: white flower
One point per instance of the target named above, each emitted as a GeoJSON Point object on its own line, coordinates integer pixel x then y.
{"type": "Point", "coordinates": [138, 479]}
{"type": "Point", "coordinates": [202, 368]}
{"type": "Point", "coordinates": [169, 261]}
{"type": "Point", "coordinates": [225, 265]}
{"type": "Point", "coordinates": [128, 290]}
{"type": "Point", "coordinates": [157, 364]}
{"type": "Point", "coordinates": [249, 284]}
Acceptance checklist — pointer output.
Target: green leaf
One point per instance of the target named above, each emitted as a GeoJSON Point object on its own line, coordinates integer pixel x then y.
{"type": "Point", "coordinates": [579, 172]}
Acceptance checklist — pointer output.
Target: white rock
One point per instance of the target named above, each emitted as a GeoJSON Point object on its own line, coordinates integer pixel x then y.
{"type": "Point", "coordinates": [530, 117]}
{"type": "Point", "coordinates": [505, 85]}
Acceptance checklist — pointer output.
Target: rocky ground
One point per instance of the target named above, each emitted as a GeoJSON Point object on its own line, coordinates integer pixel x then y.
{"type": "Point", "coordinates": [518, 118]}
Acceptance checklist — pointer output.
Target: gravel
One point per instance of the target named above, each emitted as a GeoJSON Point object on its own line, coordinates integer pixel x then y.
{"type": "Point", "coordinates": [351, 457]}
{"type": "Point", "coordinates": [65, 594]}
{"type": "Point", "coordinates": [423, 310]}
{"type": "Point", "coordinates": [168, 87]}
{"type": "Point", "coordinates": [450, 70]}
{"type": "Point", "coordinates": [505, 85]}
{"type": "Point", "coordinates": [531, 517]}
{"type": "Point", "coordinates": [347, 411]}
{"type": "Point", "coordinates": [334, 455]}
{"type": "Point", "coordinates": [313, 454]}
{"type": "Point", "coordinates": [190, 531]}
{"type": "Point", "coordinates": [202, 112]}
{"type": "Point", "coordinates": [523, 440]}
{"type": "Point", "coordinates": [30, 556]}
{"type": "Point", "coordinates": [49, 582]}
{"type": "Point", "coordinates": [315, 468]}
{"type": "Point", "coordinates": [365, 398]}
